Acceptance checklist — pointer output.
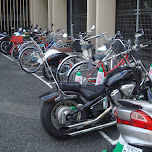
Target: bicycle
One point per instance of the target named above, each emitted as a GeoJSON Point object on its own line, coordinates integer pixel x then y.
{"type": "Point", "coordinates": [89, 69]}
{"type": "Point", "coordinates": [30, 58]}
{"type": "Point", "coordinates": [70, 61]}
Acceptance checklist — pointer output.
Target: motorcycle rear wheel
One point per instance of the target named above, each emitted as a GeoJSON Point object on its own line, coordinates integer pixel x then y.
{"type": "Point", "coordinates": [53, 116]}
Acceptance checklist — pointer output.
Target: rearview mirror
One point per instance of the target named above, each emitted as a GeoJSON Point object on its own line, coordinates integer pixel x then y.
{"type": "Point", "coordinates": [139, 33]}
{"type": "Point", "coordinates": [92, 27]}
{"type": "Point", "coordinates": [65, 35]}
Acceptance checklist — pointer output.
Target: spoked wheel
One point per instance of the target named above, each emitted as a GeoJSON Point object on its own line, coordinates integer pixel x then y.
{"type": "Point", "coordinates": [6, 46]}
{"type": "Point", "coordinates": [30, 60]}
{"type": "Point", "coordinates": [88, 71]}
{"type": "Point", "coordinates": [15, 53]}
{"type": "Point", "coordinates": [46, 72]}
{"type": "Point", "coordinates": [66, 65]}
{"type": "Point", "coordinates": [53, 116]}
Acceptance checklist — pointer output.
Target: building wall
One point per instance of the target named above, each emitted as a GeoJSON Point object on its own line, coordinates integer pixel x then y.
{"type": "Point", "coordinates": [39, 13]}
{"type": "Point", "coordinates": [101, 13]}
{"type": "Point", "coordinates": [59, 14]}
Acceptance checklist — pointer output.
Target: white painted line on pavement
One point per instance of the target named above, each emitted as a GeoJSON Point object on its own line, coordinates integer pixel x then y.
{"type": "Point", "coordinates": [41, 76]}
{"type": "Point", "coordinates": [7, 57]}
{"type": "Point", "coordinates": [42, 80]}
{"type": "Point", "coordinates": [32, 73]}
{"type": "Point", "coordinates": [113, 142]}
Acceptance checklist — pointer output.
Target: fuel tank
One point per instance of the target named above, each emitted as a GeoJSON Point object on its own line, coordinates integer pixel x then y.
{"type": "Point", "coordinates": [119, 76]}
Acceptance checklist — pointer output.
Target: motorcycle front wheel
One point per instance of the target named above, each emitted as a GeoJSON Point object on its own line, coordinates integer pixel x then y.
{"type": "Point", "coordinates": [53, 117]}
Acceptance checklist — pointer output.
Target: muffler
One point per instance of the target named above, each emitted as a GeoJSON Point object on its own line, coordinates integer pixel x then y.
{"type": "Point", "coordinates": [88, 122]}
{"type": "Point", "coordinates": [92, 128]}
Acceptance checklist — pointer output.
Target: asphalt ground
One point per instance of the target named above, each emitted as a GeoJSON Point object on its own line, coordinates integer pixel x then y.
{"type": "Point", "coordinates": [20, 125]}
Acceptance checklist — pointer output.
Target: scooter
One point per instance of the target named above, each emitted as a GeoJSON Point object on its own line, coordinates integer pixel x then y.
{"type": "Point", "coordinates": [134, 122]}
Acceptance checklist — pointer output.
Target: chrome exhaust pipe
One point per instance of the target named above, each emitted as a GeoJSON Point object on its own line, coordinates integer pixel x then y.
{"type": "Point", "coordinates": [85, 123]}
{"type": "Point", "coordinates": [93, 128]}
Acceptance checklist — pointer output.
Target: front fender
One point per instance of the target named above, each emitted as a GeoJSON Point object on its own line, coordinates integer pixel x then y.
{"type": "Point", "coordinates": [55, 58]}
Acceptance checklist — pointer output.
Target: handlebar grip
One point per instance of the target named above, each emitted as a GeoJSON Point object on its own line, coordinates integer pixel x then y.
{"type": "Point", "coordinates": [143, 46]}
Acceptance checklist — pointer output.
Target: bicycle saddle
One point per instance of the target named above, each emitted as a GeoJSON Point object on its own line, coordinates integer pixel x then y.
{"type": "Point", "coordinates": [63, 49]}
{"type": "Point", "coordinates": [89, 93]}
{"type": "Point", "coordinates": [100, 57]}
{"type": "Point", "coordinates": [86, 46]}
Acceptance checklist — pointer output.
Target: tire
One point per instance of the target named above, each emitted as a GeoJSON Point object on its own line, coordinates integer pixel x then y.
{"type": "Point", "coordinates": [28, 60]}
{"type": "Point", "coordinates": [15, 53]}
{"type": "Point", "coordinates": [66, 64]}
{"type": "Point", "coordinates": [88, 71]}
{"type": "Point", "coordinates": [27, 44]}
{"type": "Point", "coordinates": [6, 46]}
{"type": "Point", "coordinates": [53, 67]}
{"type": "Point", "coordinates": [52, 113]}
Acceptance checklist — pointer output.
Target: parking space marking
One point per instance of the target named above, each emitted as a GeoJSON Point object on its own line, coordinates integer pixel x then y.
{"type": "Point", "coordinates": [113, 142]}
{"type": "Point", "coordinates": [48, 84]}
{"type": "Point", "coordinates": [7, 57]}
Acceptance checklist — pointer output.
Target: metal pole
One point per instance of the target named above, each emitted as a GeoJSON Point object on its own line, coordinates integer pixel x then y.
{"type": "Point", "coordinates": [137, 18]}
{"type": "Point", "coordinates": [27, 13]}
{"type": "Point", "coordinates": [14, 14]}
{"type": "Point", "coordinates": [4, 14]}
{"type": "Point", "coordinates": [11, 15]}
{"type": "Point", "coordinates": [0, 16]}
{"type": "Point", "coordinates": [23, 14]}
{"type": "Point", "coordinates": [17, 13]}
{"type": "Point", "coordinates": [20, 13]}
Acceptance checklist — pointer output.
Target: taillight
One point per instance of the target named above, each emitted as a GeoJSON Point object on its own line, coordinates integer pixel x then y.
{"type": "Point", "coordinates": [120, 121]}
{"type": "Point", "coordinates": [138, 118]}
{"type": "Point", "coordinates": [141, 119]}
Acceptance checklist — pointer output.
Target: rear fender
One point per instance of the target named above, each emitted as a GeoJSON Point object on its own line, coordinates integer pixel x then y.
{"type": "Point", "coordinates": [51, 96]}
{"type": "Point", "coordinates": [55, 58]}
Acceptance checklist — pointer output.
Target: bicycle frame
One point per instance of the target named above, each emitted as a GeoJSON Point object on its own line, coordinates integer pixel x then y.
{"type": "Point", "coordinates": [87, 76]}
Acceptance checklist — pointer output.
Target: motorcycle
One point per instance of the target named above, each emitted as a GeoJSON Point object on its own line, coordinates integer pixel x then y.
{"type": "Point", "coordinates": [74, 109]}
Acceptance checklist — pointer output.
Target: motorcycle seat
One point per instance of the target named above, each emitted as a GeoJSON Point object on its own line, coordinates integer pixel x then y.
{"type": "Point", "coordinates": [89, 93]}
{"type": "Point", "coordinates": [100, 57]}
{"type": "Point", "coordinates": [70, 86]}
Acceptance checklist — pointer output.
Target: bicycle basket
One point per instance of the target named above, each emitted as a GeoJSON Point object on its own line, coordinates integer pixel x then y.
{"type": "Point", "coordinates": [17, 39]}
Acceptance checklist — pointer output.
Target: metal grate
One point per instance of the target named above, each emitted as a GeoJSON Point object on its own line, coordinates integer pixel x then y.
{"type": "Point", "coordinates": [126, 13]}
{"type": "Point", "coordinates": [79, 16]}
{"type": "Point", "coordinates": [14, 14]}
{"type": "Point", "coordinates": [79, 19]}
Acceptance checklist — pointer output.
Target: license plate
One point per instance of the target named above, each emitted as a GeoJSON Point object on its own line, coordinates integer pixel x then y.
{"type": "Point", "coordinates": [128, 148]}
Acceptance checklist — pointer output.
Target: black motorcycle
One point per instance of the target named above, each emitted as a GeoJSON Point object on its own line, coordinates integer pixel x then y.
{"type": "Point", "coordinates": [74, 109]}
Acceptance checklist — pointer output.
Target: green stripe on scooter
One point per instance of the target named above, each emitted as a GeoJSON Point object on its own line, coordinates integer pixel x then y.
{"type": "Point", "coordinates": [118, 148]}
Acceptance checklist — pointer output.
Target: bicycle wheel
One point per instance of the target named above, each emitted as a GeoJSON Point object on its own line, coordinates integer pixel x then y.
{"type": "Point", "coordinates": [30, 60]}
{"type": "Point", "coordinates": [15, 53]}
{"type": "Point", "coordinates": [88, 71]}
{"type": "Point", "coordinates": [66, 64]}
{"type": "Point", "coordinates": [6, 46]}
